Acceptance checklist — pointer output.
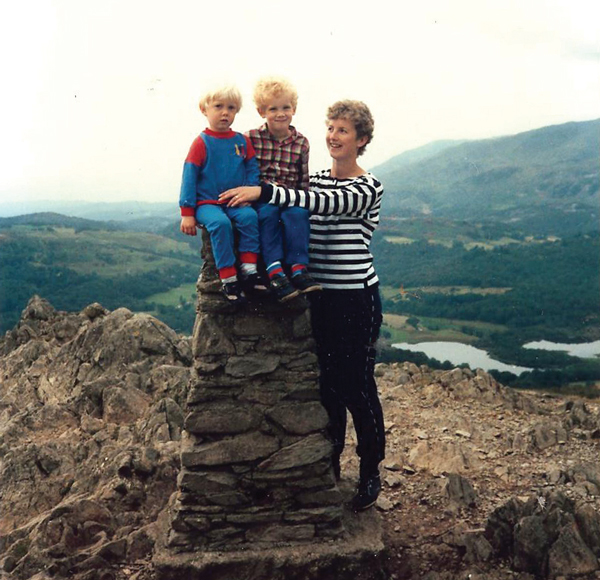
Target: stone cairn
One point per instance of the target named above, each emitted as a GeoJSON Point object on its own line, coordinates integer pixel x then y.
{"type": "Point", "coordinates": [256, 466]}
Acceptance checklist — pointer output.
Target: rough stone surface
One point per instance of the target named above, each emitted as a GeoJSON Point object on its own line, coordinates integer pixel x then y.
{"type": "Point", "coordinates": [251, 444]}
{"type": "Point", "coordinates": [90, 427]}
{"type": "Point", "coordinates": [73, 485]}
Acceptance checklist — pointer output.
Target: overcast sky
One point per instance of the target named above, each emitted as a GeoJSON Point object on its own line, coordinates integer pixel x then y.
{"type": "Point", "coordinates": [99, 99]}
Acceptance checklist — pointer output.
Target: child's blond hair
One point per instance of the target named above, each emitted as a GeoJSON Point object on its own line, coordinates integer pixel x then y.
{"type": "Point", "coordinates": [269, 88]}
{"type": "Point", "coordinates": [229, 93]}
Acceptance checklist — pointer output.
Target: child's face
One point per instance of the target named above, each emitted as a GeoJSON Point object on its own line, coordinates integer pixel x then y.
{"type": "Point", "coordinates": [220, 114]}
{"type": "Point", "coordinates": [278, 113]}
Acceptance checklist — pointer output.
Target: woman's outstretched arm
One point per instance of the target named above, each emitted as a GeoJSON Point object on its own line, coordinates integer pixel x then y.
{"type": "Point", "coordinates": [357, 197]}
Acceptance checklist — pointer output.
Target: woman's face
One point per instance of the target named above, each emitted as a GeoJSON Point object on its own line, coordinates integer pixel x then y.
{"type": "Point", "coordinates": [341, 139]}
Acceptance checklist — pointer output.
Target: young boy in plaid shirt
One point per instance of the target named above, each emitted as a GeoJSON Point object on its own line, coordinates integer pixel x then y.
{"type": "Point", "coordinates": [282, 154]}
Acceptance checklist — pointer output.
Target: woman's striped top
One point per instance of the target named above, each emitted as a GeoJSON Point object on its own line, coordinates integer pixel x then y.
{"type": "Point", "coordinates": [344, 215]}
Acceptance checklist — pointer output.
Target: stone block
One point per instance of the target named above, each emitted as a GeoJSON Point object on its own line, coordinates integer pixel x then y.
{"type": "Point", "coordinates": [261, 327]}
{"type": "Point", "coordinates": [323, 497]}
{"type": "Point", "coordinates": [222, 418]}
{"type": "Point", "coordinates": [304, 452]}
{"type": "Point", "coordinates": [251, 366]}
{"type": "Point", "coordinates": [301, 326]}
{"type": "Point", "coordinates": [299, 418]}
{"type": "Point", "coordinates": [261, 394]}
{"type": "Point", "coordinates": [256, 518]}
{"type": "Point", "coordinates": [239, 449]}
{"type": "Point", "coordinates": [211, 337]}
{"type": "Point", "coordinates": [232, 499]}
{"type": "Point", "coordinates": [281, 533]}
{"type": "Point", "coordinates": [306, 391]}
{"type": "Point", "coordinates": [314, 515]}
{"type": "Point", "coordinates": [206, 482]}
{"type": "Point", "coordinates": [307, 361]}
{"type": "Point", "coordinates": [295, 478]}
{"type": "Point", "coordinates": [198, 523]}
{"type": "Point", "coordinates": [357, 554]}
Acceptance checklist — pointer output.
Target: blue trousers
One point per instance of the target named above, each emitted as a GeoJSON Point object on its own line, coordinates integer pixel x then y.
{"type": "Point", "coordinates": [219, 221]}
{"type": "Point", "coordinates": [284, 234]}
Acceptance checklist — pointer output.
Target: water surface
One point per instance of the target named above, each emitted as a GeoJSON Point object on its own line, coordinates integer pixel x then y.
{"type": "Point", "coordinates": [458, 353]}
{"type": "Point", "coordinates": [582, 350]}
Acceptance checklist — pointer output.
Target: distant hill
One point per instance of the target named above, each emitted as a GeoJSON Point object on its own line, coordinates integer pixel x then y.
{"type": "Point", "coordinates": [546, 180]}
{"type": "Point", "coordinates": [52, 219]}
{"type": "Point", "coordinates": [75, 261]}
{"type": "Point", "coordinates": [138, 215]}
{"type": "Point", "coordinates": [415, 155]}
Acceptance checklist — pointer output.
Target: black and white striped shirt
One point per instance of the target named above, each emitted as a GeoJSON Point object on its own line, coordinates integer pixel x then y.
{"type": "Point", "coordinates": [344, 215]}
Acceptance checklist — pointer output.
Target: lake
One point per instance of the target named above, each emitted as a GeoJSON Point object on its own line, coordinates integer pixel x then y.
{"type": "Point", "coordinates": [458, 353]}
{"type": "Point", "coordinates": [583, 350]}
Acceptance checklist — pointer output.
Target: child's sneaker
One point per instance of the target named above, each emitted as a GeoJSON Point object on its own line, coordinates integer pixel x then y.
{"type": "Point", "coordinates": [305, 283]}
{"type": "Point", "coordinates": [233, 293]}
{"type": "Point", "coordinates": [253, 284]}
{"type": "Point", "coordinates": [283, 290]}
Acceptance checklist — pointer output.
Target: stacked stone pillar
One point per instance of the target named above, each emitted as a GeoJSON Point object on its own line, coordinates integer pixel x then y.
{"type": "Point", "coordinates": [255, 463]}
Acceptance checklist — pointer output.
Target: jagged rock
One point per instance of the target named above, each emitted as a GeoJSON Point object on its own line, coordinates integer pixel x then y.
{"type": "Point", "coordinates": [76, 391]}
{"type": "Point", "coordinates": [459, 490]}
{"type": "Point", "coordinates": [569, 555]}
{"type": "Point", "coordinates": [545, 536]}
{"type": "Point", "coordinates": [445, 457]}
{"type": "Point", "coordinates": [84, 483]}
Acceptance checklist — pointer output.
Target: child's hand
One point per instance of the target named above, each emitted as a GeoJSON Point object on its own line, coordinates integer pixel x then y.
{"type": "Point", "coordinates": [188, 225]}
{"type": "Point", "coordinates": [240, 196]}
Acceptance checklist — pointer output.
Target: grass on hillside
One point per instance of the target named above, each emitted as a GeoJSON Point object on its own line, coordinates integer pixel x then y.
{"type": "Point", "coordinates": [401, 329]}
{"type": "Point", "coordinates": [401, 293]}
{"type": "Point", "coordinates": [113, 253]}
{"type": "Point", "coordinates": [468, 242]}
{"type": "Point", "coordinates": [175, 296]}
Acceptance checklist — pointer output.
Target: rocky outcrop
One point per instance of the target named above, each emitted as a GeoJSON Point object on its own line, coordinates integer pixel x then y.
{"type": "Point", "coordinates": [480, 482]}
{"type": "Point", "coordinates": [90, 429]}
{"type": "Point", "coordinates": [549, 535]}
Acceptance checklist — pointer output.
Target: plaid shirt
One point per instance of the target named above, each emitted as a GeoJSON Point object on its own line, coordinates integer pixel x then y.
{"type": "Point", "coordinates": [283, 162]}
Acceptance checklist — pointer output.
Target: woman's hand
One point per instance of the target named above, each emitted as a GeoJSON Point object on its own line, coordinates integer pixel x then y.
{"type": "Point", "coordinates": [188, 225]}
{"type": "Point", "coordinates": [240, 196]}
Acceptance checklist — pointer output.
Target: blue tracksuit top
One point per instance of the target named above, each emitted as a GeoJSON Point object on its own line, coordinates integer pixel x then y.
{"type": "Point", "coordinates": [216, 162]}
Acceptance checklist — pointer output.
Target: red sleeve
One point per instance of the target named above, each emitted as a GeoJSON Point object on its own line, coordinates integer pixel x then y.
{"type": "Point", "coordinates": [197, 152]}
{"type": "Point", "coordinates": [249, 148]}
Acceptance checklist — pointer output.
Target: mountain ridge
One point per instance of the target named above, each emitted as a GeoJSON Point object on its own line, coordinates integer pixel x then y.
{"type": "Point", "coordinates": [549, 170]}
{"type": "Point", "coordinates": [546, 180]}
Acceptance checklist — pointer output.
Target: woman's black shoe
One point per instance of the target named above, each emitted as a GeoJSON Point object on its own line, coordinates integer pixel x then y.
{"type": "Point", "coordinates": [367, 494]}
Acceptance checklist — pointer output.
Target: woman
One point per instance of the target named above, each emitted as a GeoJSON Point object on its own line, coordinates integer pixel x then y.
{"type": "Point", "coordinates": [346, 316]}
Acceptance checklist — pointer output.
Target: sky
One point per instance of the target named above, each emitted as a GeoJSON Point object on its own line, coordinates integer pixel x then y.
{"type": "Point", "coordinates": [99, 100]}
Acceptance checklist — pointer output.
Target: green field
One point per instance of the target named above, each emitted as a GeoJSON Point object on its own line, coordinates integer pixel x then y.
{"type": "Point", "coordinates": [75, 266]}
{"type": "Point", "coordinates": [428, 329]}
{"type": "Point", "coordinates": [114, 253]}
{"type": "Point", "coordinates": [457, 282]}
{"type": "Point", "coordinates": [175, 296]}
